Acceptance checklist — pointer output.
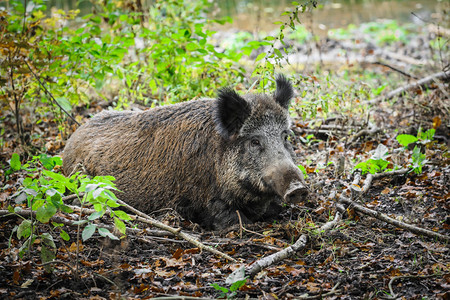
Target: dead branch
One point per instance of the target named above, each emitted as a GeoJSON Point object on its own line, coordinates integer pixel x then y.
{"type": "Point", "coordinates": [359, 208]}
{"type": "Point", "coordinates": [419, 84]}
{"type": "Point", "coordinates": [403, 58]}
{"type": "Point", "coordinates": [26, 213]}
{"type": "Point", "coordinates": [364, 132]}
{"type": "Point", "coordinates": [333, 291]}
{"type": "Point", "coordinates": [395, 69]}
{"type": "Point", "coordinates": [391, 290]}
{"type": "Point", "coordinates": [144, 218]}
{"type": "Point", "coordinates": [289, 251]}
{"type": "Point", "coordinates": [368, 182]}
{"type": "Point", "coordinates": [385, 218]}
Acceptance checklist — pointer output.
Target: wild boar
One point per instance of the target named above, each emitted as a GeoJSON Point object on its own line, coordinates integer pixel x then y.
{"type": "Point", "coordinates": [204, 158]}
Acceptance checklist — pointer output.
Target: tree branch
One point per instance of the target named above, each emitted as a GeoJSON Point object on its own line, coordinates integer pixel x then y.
{"type": "Point", "coordinates": [419, 84]}
{"type": "Point", "coordinates": [385, 218]}
{"type": "Point", "coordinates": [289, 251]}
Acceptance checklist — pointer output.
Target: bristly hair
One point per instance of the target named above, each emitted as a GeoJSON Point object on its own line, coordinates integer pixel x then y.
{"type": "Point", "coordinates": [284, 92]}
{"type": "Point", "coordinates": [232, 111]}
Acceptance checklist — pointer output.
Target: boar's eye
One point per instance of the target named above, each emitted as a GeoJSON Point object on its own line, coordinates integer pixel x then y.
{"type": "Point", "coordinates": [255, 143]}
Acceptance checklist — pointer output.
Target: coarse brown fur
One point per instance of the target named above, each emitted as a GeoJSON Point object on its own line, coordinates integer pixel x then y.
{"type": "Point", "coordinates": [190, 157]}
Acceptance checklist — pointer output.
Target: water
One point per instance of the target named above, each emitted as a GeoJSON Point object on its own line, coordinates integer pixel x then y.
{"type": "Point", "coordinates": [260, 15]}
{"type": "Point", "coordinates": [257, 15]}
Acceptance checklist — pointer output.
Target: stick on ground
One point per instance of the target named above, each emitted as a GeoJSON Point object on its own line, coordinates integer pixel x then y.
{"type": "Point", "coordinates": [276, 257]}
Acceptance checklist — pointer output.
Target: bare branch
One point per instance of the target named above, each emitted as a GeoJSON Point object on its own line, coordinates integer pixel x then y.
{"type": "Point", "coordinates": [289, 251]}
{"type": "Point", "coordinates": [385, 218]}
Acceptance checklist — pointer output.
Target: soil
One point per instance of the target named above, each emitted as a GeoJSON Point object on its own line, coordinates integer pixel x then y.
{"type": "Point", "coordinates": [361, 258]}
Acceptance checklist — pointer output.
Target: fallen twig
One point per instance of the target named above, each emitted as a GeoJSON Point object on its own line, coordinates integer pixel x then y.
{"type": "Point", "coordinates": [368, 182]}
{"type": "Point", "coordinates": [26, 213]}
{"type": "Point", "coordinates": [357, 192]}
{"type": "Point", "coordinates": [391, 282]}
{"type": "Point", "coordinates": [365, 131]}
{"type": "Point", "coordinates": [333, 291]}
{"type": "Point", "coordinates": [267, 261]}
{"type": "Point", "coordinates": [385, 218]}
{"type": "Point", "coordinates": [419, 84]}
{"type": "Point", "coordinates": [395, 69]}
{"type": "Point", "coordinates": [142, 217]}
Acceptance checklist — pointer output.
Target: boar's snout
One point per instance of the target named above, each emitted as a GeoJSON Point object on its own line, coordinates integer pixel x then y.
{"type": "Point", "coordinates": [287, 181]}
{"type": "Point", "coordinates": [296, 192]}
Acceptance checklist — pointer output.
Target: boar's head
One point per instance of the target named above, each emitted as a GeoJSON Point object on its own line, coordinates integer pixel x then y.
{"type": "Point", "coordinates": [255, 129]}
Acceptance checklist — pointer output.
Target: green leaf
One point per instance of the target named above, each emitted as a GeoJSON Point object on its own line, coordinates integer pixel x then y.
{"type": "Point", "coordinates": [418, 160]}
{"type": "Point", "coordinates": [45, 212]}
{"type": "Point", "coordinates": [47, 239]}
{"type": "Point", "coordinates": [24, 229]}
{"type": "Point", "coordinates": [238, 284]}
{"type": "Point", "coordinates": [47, 161]}
{"type": "Point", "coordinates": [88, 231]}
{"type": "Point", "coordinates": [302, 168]}
{"type": "Point", "coordinates": [96, 215]}
{"type": "Point", "coordinates": [112, 203]}
{"type": "Point", "coordinates": [278, 53]}
{"type": "Point", "coordinates": [66, 209]}
{"type": "Point", "coordinates": [105, 233]}
{"type": "Point", "coordinates": [97, 192]}
{"type": "Point", "coordinates": [363, 167]}
{"type": "Point", "coordinates": [220, 288]}
{"type": "Point", "coordinates": [91, 187]}
{"type": "Point", "coordinates": [64, 103]}
{"type": "Point", "coordinates": [122, 215]}
{"type": "Point", "coordinates": [61, 179]}
{"type": "Point", "coordinates": [427, 135]}
{"type": "Point", "coordinates": [15, 163]}
{"type": "Point", "coordinates": [37, 204]}
{"type": "Point", "coordinates": [192, 46]}
{"type": "Point", "coordinates": [120, 225]}
{"type": "Point", "coordinates": [80, 222]}
{"type": "Point", "coordinates": [96, 19]}
{"type": "Point", "coordinates": [406, 139]}
{"type": "Point", "coordinates": [64, 235]}
{"type": "Point", "coordinates": [46, 254]}
{"type": "Point", "coordinates": [260, 56]}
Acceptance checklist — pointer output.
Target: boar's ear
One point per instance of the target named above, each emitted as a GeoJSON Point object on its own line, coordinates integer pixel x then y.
{"type": "Point", "coordinates": [284, 92]}
{"type": "Point", "coordinates": [231, 112]}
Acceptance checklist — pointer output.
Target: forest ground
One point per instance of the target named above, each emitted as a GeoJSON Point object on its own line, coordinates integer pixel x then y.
{"type": "Point", "coordinates": [362, 257]}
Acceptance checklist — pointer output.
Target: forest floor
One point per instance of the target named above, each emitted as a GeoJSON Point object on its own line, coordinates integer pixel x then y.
{"type": "Point", "coordinates": [362, 257]}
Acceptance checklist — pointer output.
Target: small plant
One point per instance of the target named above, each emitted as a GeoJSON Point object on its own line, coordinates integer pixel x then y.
{"type": "Point", "coordinates": [377, 163]}
{"type": "Point", "coordinates": [43, 194]}
{"type": "Point", "coordinates": [302, 168]}
{"type": "Point", "coordinates": [236, 280]}
{"type": "Point", "coordinates": [422, 137]}
{"type": "Point", "coordinates": [417, 160]}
